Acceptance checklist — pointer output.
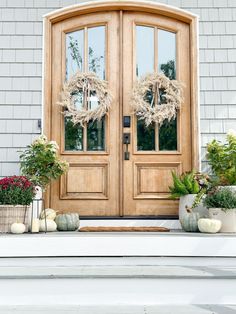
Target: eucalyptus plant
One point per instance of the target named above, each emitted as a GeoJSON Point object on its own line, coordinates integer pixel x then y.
{"type": "Point", "coordinates": [40, 162]}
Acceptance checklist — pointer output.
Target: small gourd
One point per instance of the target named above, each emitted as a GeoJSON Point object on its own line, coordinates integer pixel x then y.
{"type": "Point", "coordinates": [49, 213]}
{"type": "Point", "coordinates": [17, 228]}
{"type": "Point", "coordinates": [49, 225]}
{"type": "Point", "coordinates": [209, 225]}
{"type": "Point", "coordinates": [189, 221]}
{"type": "Point", "coordinates": [67, 222]}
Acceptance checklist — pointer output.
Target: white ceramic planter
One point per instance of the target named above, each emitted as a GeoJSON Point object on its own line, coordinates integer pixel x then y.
{"type": "Point", "coordinates": [228, 218]}
{"type": "Point", "coordinates": [188, 200]}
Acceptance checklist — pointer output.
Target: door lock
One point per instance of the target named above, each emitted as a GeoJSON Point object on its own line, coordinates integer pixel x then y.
{"type": "Point", "coordinates": [126, 141]}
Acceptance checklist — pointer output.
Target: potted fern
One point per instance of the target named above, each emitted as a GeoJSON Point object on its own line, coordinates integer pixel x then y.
{"type": "Point", "coordinates": [221, 202]}
{"type": "Point", "coordinates": [189, 188]}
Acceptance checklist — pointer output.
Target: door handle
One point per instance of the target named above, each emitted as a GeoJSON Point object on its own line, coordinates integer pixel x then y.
{"type": "Point", "coordinates": [126, 141]}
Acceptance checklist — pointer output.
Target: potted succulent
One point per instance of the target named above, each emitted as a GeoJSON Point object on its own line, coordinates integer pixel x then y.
{"type": "Point", "coordinates": [222, 159]}
{"type": "Point", "coordinates": [16, 194]}
{"type": "Point", "coordinates": [221, 202]}
{"type": "Point", "coordinates": [190, 187]}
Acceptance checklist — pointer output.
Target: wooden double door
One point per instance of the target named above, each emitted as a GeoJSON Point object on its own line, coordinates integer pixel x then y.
{"type": "Point", "coordinates": [120, 46]}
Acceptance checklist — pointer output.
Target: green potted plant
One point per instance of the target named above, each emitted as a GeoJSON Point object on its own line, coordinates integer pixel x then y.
{"type": "Point", "coordinates": [190, 188]}
{"type": "Point", "coordinates": [221, 202]}
{"type": "Point", "coordinates": [16, 194]}
{"type": "Point", "coordinates": [222, 159]}
{"type": "Point", "coordinates": [40, 162]}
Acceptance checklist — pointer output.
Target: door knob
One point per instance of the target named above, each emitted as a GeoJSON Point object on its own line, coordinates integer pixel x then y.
{"type": "Point", "coordinates": [126, 141]}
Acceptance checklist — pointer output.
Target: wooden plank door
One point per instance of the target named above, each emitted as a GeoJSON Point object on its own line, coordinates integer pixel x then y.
{"type": "Point", "coordinates": [91, 186]}
{"type": "Point", "coordinates": [153, 42]}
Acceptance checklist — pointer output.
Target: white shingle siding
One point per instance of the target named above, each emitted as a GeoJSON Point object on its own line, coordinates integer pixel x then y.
{"type": "Point", "coordinates": [21, 70]}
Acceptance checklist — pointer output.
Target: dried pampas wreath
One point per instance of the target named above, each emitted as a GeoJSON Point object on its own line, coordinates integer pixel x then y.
{"type": "Point", "coordinates": [85, 83]}
{"type": "Point", "coordinates": [152, 111]}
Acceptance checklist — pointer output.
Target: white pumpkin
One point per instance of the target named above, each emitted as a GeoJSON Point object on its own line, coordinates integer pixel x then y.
{"type": "Point", "coordinates": [209, 225]}
{"type": "Point", "coordinates": [51, 225]}
{"type": "Point", "coordinates": [17, 228]}
{"type": "Point", "coordinates": [49, 213]}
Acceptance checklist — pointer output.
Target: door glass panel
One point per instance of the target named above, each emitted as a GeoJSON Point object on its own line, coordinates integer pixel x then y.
{"type": "Point", "coordinates": [145, 136]}
{"type": "Point", "coordinates": [73, 136]}
{"type": "Point", "coordinates": [78, 99]}
{"type": "Point", "coordinates": [144, 50]}
{"type": "Point", "coordinates": [144, 65]}
{"type": "Point", "coordinates": [74, 52]}
{"type": "Point", "coordinates": [168, 135]}
{"type": "Point", "coordinates": [96, 50]}
{"type": "Point", "coordinates": [74, 62]}
{"type": "Point", "coordinates": [93, 100]}
{"type": "Point", "coordinates": [167, 53]}
{"type": "Point", "coordinates": [167, 65]}
{"type": "Point", "coordinates": [96, 135]}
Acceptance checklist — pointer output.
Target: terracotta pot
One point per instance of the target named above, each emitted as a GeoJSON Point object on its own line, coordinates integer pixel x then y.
{"type": "Point", "coordinates": [228, 218]}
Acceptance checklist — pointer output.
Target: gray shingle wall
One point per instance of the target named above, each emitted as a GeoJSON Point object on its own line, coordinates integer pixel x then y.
{"type": "Point", "coordinates": [21, 70]}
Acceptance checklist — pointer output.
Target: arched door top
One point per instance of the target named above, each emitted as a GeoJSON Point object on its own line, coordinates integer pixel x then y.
{"type": "Point", "coordinates": [128, 5]}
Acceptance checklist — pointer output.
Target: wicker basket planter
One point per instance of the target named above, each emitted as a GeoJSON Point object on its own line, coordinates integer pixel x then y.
{"type": "Point", "coordinates": [13, 213]}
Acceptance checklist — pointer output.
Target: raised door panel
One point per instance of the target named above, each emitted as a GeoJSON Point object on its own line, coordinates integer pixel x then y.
{"type": "Point", "coordinates": [87, 43]}
{"type": "Point", "coordinates": [85, 181]}
{"type": "Point", "coordinates": [152, 180]}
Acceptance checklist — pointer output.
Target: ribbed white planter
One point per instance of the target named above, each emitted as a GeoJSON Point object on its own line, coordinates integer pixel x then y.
{"type": "Point", "coordinates": [188, 200]}
{"type": "Point", "coordinates": [228, 218]}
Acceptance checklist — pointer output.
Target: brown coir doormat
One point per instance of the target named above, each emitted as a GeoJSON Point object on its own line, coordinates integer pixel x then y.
{"type": "Point", "coordinates": [124, 229]}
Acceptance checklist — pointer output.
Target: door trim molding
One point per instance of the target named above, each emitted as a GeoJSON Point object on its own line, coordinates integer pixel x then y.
{"type": "Point", "coordinates": [96, 6]}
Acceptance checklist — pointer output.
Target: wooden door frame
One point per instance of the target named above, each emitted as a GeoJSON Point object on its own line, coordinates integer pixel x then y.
{"type": "Point", "coordinates": [130, 5]}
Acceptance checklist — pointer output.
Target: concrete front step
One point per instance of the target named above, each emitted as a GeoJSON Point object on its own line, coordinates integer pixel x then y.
{"type": "Point", "coordinates": [174, 309]}
{"type": "Point", "coordinates": [117, 285]}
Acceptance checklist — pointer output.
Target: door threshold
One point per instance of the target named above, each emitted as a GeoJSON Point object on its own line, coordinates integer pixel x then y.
{"type": "Point", "coordinates": [161, 217]}
{"type": "Point", "coordinates": [167, 223]}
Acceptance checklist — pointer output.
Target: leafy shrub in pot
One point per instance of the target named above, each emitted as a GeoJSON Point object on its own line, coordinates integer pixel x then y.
{"type": "Point", "coordinates": [222, 159]}
{"type": "Point", "coordinates": [40, 162]}
{"type": "Point", "coordinates": [221, 202]}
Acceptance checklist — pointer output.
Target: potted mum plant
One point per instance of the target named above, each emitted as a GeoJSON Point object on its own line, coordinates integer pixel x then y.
{"type": "Point", "coordinates": [221, 202]}
{"type": "Point", "coordinates": [190, 187]}
{"type": "Point", "coordinates": [222, 159]}
{"type": "Point", "coordinates": [16, 194]}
